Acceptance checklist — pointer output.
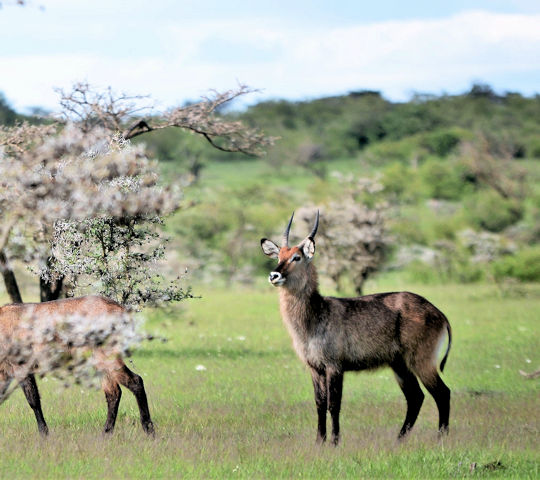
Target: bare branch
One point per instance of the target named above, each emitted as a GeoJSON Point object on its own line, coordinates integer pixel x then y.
{"type": "Point", "coordinates": [494, 167]}
{"type": "Point", "coordinates": [228, 136]}
{"type": "Point", "coordinates": [91, 109]}
{"type": "Point", "coordinates": [81, 171]}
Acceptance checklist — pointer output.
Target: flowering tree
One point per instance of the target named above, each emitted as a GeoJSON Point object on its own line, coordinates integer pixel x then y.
{"type": "Point", "coordinates": [352, 237]}
{"type": "Point", "coordinates": [59, 196]}
{"type": "Point", "coordinates": [80, 203]}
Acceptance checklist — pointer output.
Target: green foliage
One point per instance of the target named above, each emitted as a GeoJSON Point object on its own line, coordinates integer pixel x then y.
{"type": "Point", "coordinates": [443, 142]}
{"type": "Point", "coordinates": [445, 271]}
{"type": "Point", "coordinates": [443, 180]}
{"type": "Point", "coordinates": [524, 265]}
{"type": "Point", "coordinates": [407, 232]}
{"type": "Point", "coordinates": [401, 180]}
{"type": "Point", "coordinates": [409, 119]}
{"type": "Point", "coordinates": [218, 237]}
{"type": "Point", "coordinates": [534, 148]}
{"type": "Point", "coordinates": [406, 150]}
{"type": "Point", "coordinates": [447, 163]}
{"type": "Point", "coordinates": [490, 211]}
{"type": "Point", "coordinates": [117, 257]}
{"type": "Point", "coordinates": [8, 116]}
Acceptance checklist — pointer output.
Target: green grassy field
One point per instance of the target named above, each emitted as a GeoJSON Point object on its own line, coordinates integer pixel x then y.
{"type": "Point", "coordinates": [250, 412]}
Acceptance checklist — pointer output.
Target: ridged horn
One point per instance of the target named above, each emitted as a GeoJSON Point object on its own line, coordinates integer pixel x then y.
{"type": "Point", "coordinates": [314, 231]}
{"type": "Point", "coordinates": [285, 241]}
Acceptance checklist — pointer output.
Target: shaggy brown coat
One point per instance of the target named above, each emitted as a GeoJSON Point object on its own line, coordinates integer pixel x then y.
{"type": "Point", "coordinates": [115, 371]}
{"type": "Point", "coordinates": [334, 335]}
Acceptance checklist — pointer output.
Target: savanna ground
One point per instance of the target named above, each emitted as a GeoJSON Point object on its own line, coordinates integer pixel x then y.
{"type": "Point", "coordinates": [249, 413]}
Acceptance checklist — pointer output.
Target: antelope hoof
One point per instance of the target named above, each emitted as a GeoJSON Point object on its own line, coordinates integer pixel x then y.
{"type": "Point", "coordinates": [149, 429]}
{"type": "Point", "coordinates": [402, 438]}
{"type": "Point", "coordinates": [443, 432]}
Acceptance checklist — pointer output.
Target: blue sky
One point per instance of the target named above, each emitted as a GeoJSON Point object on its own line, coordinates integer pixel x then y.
{"type": "Point", "coordinates": [178, 50]}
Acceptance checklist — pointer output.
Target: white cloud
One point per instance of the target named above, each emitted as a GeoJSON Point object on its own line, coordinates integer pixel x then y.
{"type": "Point", "coordinates": [396, 57]}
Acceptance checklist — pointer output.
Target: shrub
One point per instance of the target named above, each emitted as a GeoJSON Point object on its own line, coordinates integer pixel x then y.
{"type": "Point", "coordinates": [410, 118]}
{"type": "Point", "coordinates": [406, 150]}
{"type": "Point", "coordinates": [408, 232]}
{"type": "Point", "coordinates": [490, 211]}
{"type": "Point", "coordinates": [524, 265]}
{"type": "Point", "coordinates": [534, 148]}
{"type": "Point", "coordinates": [445, 266]}
{"type": "Point", "coordinates": [401, 181]}
{"type": "Point", "coordinates": [441, 143]}
{"type": "Point", "coordinates": [443, 180]}
{"type": "Point", "coordinates": [421, 272]}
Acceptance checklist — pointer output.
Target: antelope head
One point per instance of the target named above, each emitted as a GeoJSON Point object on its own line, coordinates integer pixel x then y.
{"type": "Point", "coordinates": [292, 261]}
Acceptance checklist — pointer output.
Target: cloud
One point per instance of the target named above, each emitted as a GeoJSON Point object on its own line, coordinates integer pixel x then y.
{"type": "Point", "coordinates": [183, 61]}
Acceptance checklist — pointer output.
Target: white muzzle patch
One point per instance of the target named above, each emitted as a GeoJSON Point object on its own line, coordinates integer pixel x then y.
{"type": "Point", "coordinates": [276, 279]}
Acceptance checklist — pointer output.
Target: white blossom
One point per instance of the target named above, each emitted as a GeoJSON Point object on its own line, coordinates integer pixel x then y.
{"type": "Point", "coordinates": [69, 347]}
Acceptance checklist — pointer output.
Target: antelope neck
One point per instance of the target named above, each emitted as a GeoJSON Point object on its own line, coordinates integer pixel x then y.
{"type": "Point", "coordinates": [299, 306]}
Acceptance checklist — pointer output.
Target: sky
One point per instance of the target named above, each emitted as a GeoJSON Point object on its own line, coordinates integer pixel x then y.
{"type": "Point", "coordinates": [177, 50]}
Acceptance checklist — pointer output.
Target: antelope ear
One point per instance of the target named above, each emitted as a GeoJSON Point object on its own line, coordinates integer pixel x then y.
{"type": "Point", "coordinates": [308, 247]}
{"type": "Point", "coordinates": [269, 248]}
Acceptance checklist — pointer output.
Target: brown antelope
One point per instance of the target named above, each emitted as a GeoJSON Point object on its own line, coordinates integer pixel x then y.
{"type": "Point", "coordinates": [334, 335]}
{"type": "Point", "coordinates": [115, 371]}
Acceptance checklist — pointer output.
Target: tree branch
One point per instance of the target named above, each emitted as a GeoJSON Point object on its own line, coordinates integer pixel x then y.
{"type": "Point", "coordinates": [112, 113]}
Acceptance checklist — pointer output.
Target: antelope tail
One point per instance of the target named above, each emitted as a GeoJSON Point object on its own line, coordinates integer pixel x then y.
{"type": "Point", "coordinates": [443, 362]}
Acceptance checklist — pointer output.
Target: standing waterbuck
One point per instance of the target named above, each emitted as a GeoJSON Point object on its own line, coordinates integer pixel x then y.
{"type": "Point", "coordinates": [15, 319]}
{"type": "Point", "coordinates": [334, 335]}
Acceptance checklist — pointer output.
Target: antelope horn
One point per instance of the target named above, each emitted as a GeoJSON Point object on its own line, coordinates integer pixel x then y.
{"type": "Point", "coordinates": [285, 242]}
{"type": "Point", "coordinates": [314, 231]}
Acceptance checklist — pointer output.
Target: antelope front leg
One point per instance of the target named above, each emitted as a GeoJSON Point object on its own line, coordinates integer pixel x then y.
{"type": "Point", "coordinates": [334, 383]}
{"type": "Point", "coordinates": [31, 393]}
{"type": "Point", "coordinates": [321, 401]}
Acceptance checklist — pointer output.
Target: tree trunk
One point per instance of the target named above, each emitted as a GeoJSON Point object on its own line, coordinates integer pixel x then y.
{"type": "Point", "coordinates": [50, 290]}
{"type": "Point", "coordinates": [10, 281]}
{"type": "Point", "coordinates": [359, 282]}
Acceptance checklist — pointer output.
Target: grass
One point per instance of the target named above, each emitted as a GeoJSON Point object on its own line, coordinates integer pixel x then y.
{"type": "Point", "coordinates": [250, 414]}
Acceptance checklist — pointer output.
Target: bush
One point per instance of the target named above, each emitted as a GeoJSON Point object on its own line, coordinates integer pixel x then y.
{"type": "Point", "coordinates": [534, 148]}
{"type": "Point", "coordinates": [524, 265]}
{"type": "Point", "coordinates": [401, 180]}
{"type": "Point", "coordinates": [406, 151]}
{"type": "Point", "coordinates": [410, 118]}
{"type": "Point", "coordinates": [444, 269]}
{"type": "Point", "coordinates": [408, 232]}
{"type": "Point", "coordinates": [443, 180]}
{"type": "Point", "coordinates": [490, 211]}
{"type": "Point", "coordinates": [441, 143]}
{"type": "Point", "coordinates": [421, 272]}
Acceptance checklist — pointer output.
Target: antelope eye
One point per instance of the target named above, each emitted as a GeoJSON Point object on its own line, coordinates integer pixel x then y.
{"type": "Point", "coordinates": [296, 259]}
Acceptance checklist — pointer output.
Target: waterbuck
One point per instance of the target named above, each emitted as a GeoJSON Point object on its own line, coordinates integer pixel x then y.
{"type": "Point", "coordinates": [334, 335]}
{"type": "Point", "coordinates": [13, 321]}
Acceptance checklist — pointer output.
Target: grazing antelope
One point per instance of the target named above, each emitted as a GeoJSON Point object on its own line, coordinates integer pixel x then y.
{"type": "Point", "coordinates": [115, 371]}
{"type": "Point", "coordinates": [334, 335]}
